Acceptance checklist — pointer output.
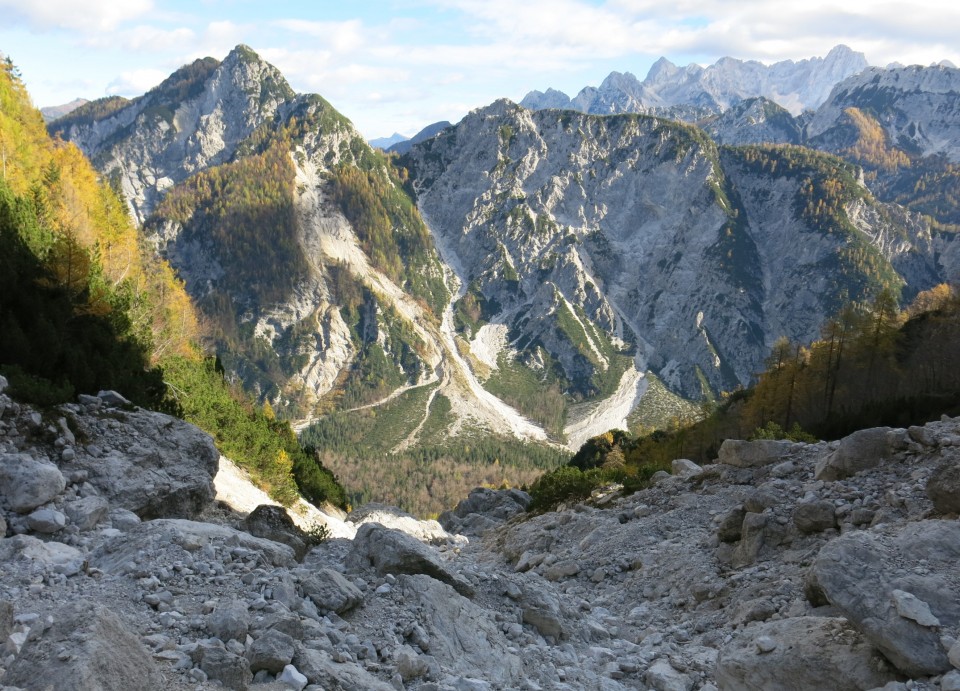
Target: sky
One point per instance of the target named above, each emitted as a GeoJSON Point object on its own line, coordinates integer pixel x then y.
{"type": "Point", "coordinates": [393, 66]}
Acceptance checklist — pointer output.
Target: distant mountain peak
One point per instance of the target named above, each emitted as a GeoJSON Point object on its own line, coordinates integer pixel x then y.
{"type": "Point", "coordinates": [796, 85]}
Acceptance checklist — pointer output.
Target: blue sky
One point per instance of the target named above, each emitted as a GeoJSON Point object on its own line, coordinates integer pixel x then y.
{"type": "Point", "coordinates": [398, 66]}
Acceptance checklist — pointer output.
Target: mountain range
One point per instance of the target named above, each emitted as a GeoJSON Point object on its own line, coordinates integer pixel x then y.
{"type": "Point", "coordinates": [536, 275]}
{"type": "Point", "coordinates": [672, 90]}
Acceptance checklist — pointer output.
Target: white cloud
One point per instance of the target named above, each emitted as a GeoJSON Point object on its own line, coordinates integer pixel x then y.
{"type": "Point", "coordinates": [145, 38]}
{"type": "Point", "coordinates": [342, 37]}
{"type": "Point", "coordinates": [93, 16]}
{"type": "Point", "coordinates": [135, 82]}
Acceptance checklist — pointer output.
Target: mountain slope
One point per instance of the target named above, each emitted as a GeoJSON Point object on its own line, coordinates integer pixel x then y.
{"type": "Point", "coordinates": [600, 246]}
{"type": "Point", "coordinates": [555, 261]}
{"type": "Point", "coordinates": [318, 281]}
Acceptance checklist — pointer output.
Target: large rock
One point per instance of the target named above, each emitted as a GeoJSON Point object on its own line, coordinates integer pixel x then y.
{"type": "Point", "coordinates": [330, 591]}
{"type": "Point", "coordinates": [230, 619]}
{"type": "Point", "coordinates": [390, 551]}
{"type": "Point", "coordinates": [153, 537]}
{"type": "Point", "coordinates": [320, 669]}
{"type": "Point", "coordinates": [26, 483]}
{"type": "Point", "coordinates": [943, 486]}
{"type": "Point", "coordinates": [49, 556]}
{"type": "Point", "coordinates": [228, 668]}
{"type": "Point", "coordinates": [484, 509]}
{"type": "Point", "coordinates": [272, 652]}
{"type": "Point", "coordinates": [799, 654]}
{"type": "Point", "coordinates": [88, 648]}
{"type": "Point", "coordinates": [752, 454]}
{"type": "Point", "coordinates": [888, 584]}
{"type": "Point", "coordinates": [862, 450]}
{"type": "Point", "coordinates": [464, 638]}
{"type": "Point", "coordinates": [541, 610]}
{"type": "Point", "coordinates": [273, 523]}
{"type": "Point", "coordinates": [814, 517]}
{"type": "Point", "coordinates": [731, 524]}
{"type": "Point", "coordinates": [87, 512]}
{"type": "Point", "coordinates": [152, 464]}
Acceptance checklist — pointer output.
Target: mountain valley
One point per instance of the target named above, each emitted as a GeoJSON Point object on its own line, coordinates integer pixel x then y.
{"type": "Point", "coordinates": [654, 388]}
{"type": "Point", "coordinates": [552, 261]}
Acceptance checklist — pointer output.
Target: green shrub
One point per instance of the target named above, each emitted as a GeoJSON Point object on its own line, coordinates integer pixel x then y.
{"type": "Point", "coordinates": [772, 430]}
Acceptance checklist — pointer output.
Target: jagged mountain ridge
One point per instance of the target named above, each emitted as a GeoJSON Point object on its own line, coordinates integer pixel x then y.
{"type": "Point", "coordinates": [796, 86]}
{"type": "Point", "coordinates": [899, 124]}
{"type": "Point", "coordinates": [641, 235]}
{"type": "Point", "coordinates": [917, 107]}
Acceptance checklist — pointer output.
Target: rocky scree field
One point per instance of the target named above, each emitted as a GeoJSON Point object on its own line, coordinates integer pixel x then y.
{"type": "Point", "coordinates": [781, 565]}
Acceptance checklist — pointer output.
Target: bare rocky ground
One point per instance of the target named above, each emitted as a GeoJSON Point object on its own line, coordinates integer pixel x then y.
{"type": "Point", "coordinates": [781, 566]}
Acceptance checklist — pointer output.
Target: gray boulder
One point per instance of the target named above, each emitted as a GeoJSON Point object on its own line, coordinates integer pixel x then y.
{"type": "Point", "coordinates": [153, 537]}
{"type": "Point", "coordinates": [320, 669]}
{"type": "Point", "coordinates": [47, 521]}
{"type": "Point", "coordinates": [271, 652]}
{"type": "Point", "coordinates": [465, 639]}
{"type": "Point", "coordinates": [862, 450]}
{"type": "Point", "coordinates": [26, 483]}
{"type": "Point", "coordinates": [541, 610]}
{"type": "Point", "coordinates": [113, 399]}
{"type": "Point", "coordinates": [484, 509]}
{"type": "Point", "coordinates": [799, 654]}
{"type": "Point", "coordinates": [390, 551]}
{"type": "Point", "coordinates": [753, 454]}
{"type": "Point", "coordinates": [814, 517]}
{"type": "Point", "coordinates": [685, 467]}
{"type": "Point", "coordinates": [154, 465]}
{"type": "Point", "coordinates": [228, 668]}
{"type": "Point", "coordinates": [943, 486]}
{"type": "Point", "coordinates": [330, 591]}
{"type": "Point", "coordinates": [88, 648]}
{"type": "Point", "coordinates": [896, 589]}
{"type": "Point", "coordinates": [48, 556]}
{"type": "Point", "coordinates": [230, 619]}
{"type": "Point", "coordinates": [87, 512]}
{"type": "Point", "coordinates": [273, 523]}
{"type": "Point", "coordinates": [730, 525]}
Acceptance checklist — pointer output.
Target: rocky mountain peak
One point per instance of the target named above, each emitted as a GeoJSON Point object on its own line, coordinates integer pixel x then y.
{"type": "Point", "coordinates": [917, 107]}
{"type": "Point", "coordinates": [661, 70]}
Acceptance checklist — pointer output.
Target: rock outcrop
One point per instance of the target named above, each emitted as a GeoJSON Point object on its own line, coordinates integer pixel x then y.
{"type": "Point", "coordinates": [753, 574]}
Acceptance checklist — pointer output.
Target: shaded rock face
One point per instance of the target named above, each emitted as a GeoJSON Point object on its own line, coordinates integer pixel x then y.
{"type": "Point", "coordinates": [84, 648]}
{"type": "Point", "coordinates": [273, 523]}
{"type": "Point", "coordinates": [943, 487]}
{"type": "Point", "coordinates": [392, 552]}
{"type": "Point", "coordinates": [799, 654]}
{"type": "Point", "coordinates": [484, 509]}
{"type": "Point", "coordinates": [149, 463]}
{"type": "Point", "coordinates": [915, 105]}
{"type": "Point", "coordinates": [554, 217]}
{"type": "Point", "coordinates": [878, 580]}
